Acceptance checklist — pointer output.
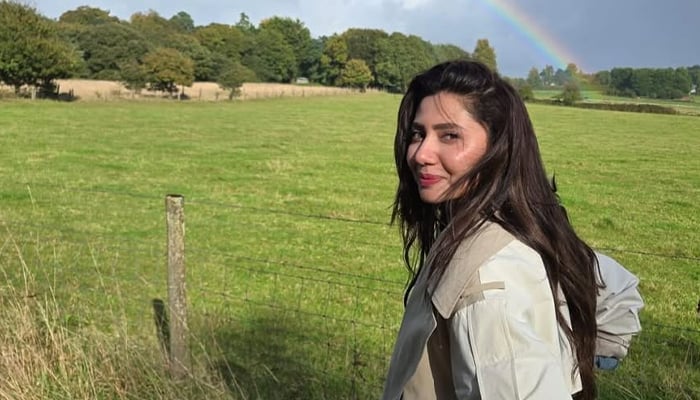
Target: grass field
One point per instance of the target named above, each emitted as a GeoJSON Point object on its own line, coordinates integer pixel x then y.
{"type": "Point", "coordinates": [294, 278]}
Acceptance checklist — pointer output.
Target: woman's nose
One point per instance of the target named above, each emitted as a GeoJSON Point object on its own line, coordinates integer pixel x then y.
{"type": "Point", "coordinates": [425, 153]}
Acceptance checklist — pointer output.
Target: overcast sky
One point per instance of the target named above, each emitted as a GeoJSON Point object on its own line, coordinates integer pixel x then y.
{"type": "Point", "coordinates": [594, 34]}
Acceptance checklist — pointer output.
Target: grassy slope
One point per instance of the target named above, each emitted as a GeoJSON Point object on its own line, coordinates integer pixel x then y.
{"type": "Point", "coordinates": [292, 305]}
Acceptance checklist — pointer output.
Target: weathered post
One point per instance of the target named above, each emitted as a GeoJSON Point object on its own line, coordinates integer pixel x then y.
{"type": "Point", "coordinates": [177, 294]}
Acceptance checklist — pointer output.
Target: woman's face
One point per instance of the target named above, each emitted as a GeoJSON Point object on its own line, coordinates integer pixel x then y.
{"type": "Point", "coordinates": [446, 143]}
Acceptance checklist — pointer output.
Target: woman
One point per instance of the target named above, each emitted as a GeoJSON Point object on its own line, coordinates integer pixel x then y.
{"type": "Point", "coordinates": [503, 297]}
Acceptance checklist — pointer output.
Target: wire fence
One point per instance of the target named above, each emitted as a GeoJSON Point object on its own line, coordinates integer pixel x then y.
{"type": "Point", "coordinates": [294, 304]}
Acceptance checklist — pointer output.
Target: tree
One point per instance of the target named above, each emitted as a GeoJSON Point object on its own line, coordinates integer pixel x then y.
{"type": "Point", "coordinates": [31, 51]}
{"type": "Point", "coordinates": [205, 63]}
{"type": "Point", "coordinates": [547, 75]}
{"type": "Point", "coordinates": [401, 58]}
{"type": "Point", "coordinates": [534, 79]}
{"type": "Point", "coordinates": [244, 24]}
{"type": "Point", "coordinates": [228, 41]}
{"type": "Point", "coordinates": [561, 77]}
{"type": "Point", "coordinates": [106, 47]}
{"type": "Point", "coordinates": [168, 68]}
{"type": "Point", "coordinates": [682, 83]}
{"type": "Point", "coordinates": [366, 45]}
{"type": "Point", "coordinates": [602, 78]}
{"type": "Point", "coordinates": [525, 92]}
{"type": "Point", "coordinates": [295, 34]}
{"type": "Point", "coordinates": [573, 71]}
{"type": "Point", "coordinates": [571, 94]}
{"type": "Point", "coordinates": [356, 74]}
{"type": "Point", "coordinates": [484, 53]}
{"type": "Point", "coordinates": [85, 15]}
{"type": "Point", "coordinates": [421, 57]}
{"type": "Point", "coordinates": [233, 77]}
{"type": "Point", "coordinates": [621, 82]}
{"type": "Point", "coordinates": [645, 82]}
{"type": "Point", "coordinates": [134, 75]}
{"type": "Point", "coordinates": [310, 65]}
{"type": "Point", "coordinates": [271, 58]}
{"type": "Point", "coordinates": [445, 52]}
{"type": "Point", "coordinates": [156, 29]}
{"type": "Point", "coordinates": [333, 59]}
{"type": "Point", "coordinates": [694, 73]}
{"type": "Point", "coordinates": [183, 22]}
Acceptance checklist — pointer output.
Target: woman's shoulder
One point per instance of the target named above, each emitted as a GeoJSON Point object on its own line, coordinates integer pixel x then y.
{"type": "Point", "coordinates": [488, 245]}
{"type": "Point", "coordinates": [480, 246]}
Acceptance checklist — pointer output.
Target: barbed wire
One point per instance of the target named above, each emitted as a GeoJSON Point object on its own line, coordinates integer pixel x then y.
{"type": "Point", "coordinates": [313, 279]}
{"type": "Point", "coordinates": [671, 327]}
{"type": "Point", "coordinates": [648, 253]}
{"type": "Point", "coordinates": [273, 211]}
{"type": "Point", "coordinates": [233, 299]}
{"type": "Point", "coordinates": [138, 195]}
{"type": "Point", "coordinates": [114, 235]}
{"type": "Point", "coordinates": [289, 264]}
{"type": "Point", "coordinates": [93, 233]}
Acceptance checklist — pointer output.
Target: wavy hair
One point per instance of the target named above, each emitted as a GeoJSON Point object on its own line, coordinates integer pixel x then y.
{"type": "Point", "coordinates": [508, 186]}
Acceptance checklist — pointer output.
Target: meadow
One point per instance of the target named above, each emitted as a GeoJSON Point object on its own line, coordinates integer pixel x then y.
{"type": "Point", "coordinates": [294, 276]}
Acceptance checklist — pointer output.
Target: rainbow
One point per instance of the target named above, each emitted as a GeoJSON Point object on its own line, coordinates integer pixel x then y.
{"type": "Point", "coordinates": [545, 43]}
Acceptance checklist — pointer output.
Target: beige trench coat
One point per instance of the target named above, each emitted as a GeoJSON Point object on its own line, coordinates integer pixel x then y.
{"type": "Point", "coordinates": [487, 330]}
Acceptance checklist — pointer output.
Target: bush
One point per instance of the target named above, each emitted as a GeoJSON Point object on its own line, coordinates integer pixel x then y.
{"type": "Point", "coordinates": [571, 94]}
{"type": "Point", "coordinates": [525, 92]}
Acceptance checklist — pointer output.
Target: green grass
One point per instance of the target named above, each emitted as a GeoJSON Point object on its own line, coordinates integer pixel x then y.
{"type": "Point", "coordinates": [294, 278]}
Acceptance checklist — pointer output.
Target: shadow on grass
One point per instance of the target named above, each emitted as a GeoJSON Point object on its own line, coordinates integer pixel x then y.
{"type": "Point", "coordinates": [276, 356]}
{"type": "Point", "coordinates": [663, 363]}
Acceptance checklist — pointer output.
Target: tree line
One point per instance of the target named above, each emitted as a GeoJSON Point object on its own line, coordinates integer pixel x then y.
{"type": "Point", "coordinates": [658, 83]}
{"type": "Point", "coordinates": [153, 52]}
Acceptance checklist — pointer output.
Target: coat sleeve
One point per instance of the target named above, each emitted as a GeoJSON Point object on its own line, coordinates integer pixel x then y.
{"type": "Point", "coordinates": [617, 309]}
{"type": "Point", "coordinates": [497, 356]}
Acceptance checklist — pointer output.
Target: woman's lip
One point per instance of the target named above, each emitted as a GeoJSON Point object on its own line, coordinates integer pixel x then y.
{"type": "Point", "coordinates": [428, 179]}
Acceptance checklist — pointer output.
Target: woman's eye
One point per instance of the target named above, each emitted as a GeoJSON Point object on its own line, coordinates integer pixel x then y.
{"type": "Point", "coordinates": [416, 136]}
{"type": "Point", "coordinates": [450, 136]}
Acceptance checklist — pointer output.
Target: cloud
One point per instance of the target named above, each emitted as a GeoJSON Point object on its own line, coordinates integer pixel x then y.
{"type": "Point", "coordinates": [411, 4]}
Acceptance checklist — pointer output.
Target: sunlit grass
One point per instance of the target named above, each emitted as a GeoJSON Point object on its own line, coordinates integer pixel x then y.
{"type": "Point", "coordinates": [294, 277]}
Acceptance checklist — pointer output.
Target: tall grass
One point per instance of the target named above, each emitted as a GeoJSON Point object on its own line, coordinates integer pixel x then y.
{"type": "Point", "coordinates": [45, 355]}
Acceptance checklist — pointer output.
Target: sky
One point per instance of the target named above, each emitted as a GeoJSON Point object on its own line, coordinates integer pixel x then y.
{"type": "Point", "coordinates": [594, 34]}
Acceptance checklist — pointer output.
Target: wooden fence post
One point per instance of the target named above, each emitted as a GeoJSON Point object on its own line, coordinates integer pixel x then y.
{"type": "Point", "coordinates": [177, 294]}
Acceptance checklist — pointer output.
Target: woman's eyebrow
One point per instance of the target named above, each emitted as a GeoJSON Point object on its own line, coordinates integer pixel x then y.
{"type": "Point", "coordinates": [446, 126]}
{"type": "Point", "coordinates": [438, 127]}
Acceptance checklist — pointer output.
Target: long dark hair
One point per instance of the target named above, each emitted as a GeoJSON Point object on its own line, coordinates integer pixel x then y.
{"type": "Point", "coordinates": [508, 186]}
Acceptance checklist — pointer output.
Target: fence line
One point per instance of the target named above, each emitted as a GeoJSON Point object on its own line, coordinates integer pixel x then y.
{"type": "Point", "coordinates": [130, 241]}
{"type": "Point", "coordinates": [648, 253]}
{"type": "Point", "coordinates": [208, 202]}
{"type": "Point", "coordinates": [305, 267]}
{"type": "Point", "coordinates": [337, 219]}
{"type": "Point", "coordinates": [340, 329]}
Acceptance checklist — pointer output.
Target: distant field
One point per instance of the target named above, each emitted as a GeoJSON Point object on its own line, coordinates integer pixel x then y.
{"type": "Point", "coordinates": [207, 91]}
{"type": "Point", "coordinates": [691, 106]}
{"type": "Point", "coordinates": [294, 278]}
{"type": "Point", "coordinates": [92, 90]}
